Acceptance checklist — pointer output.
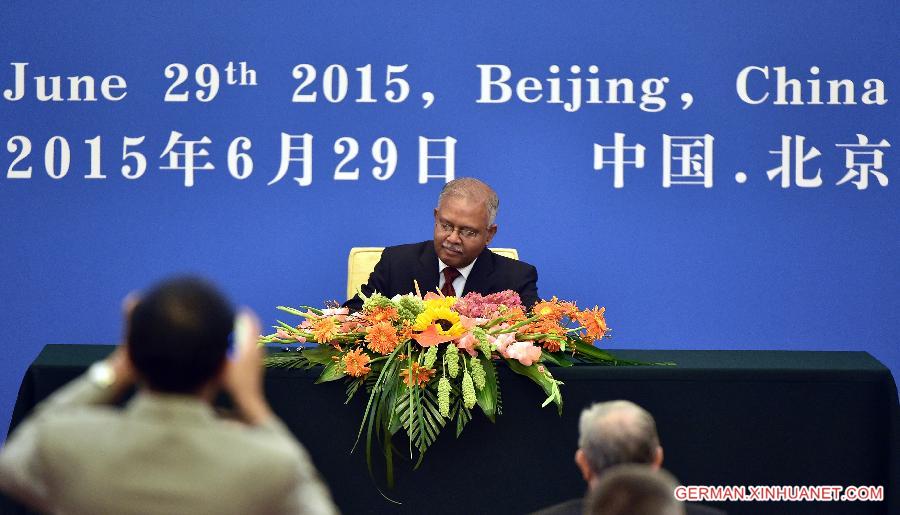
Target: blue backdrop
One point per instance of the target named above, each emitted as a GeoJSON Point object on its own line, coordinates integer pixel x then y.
{"type": "Point", "coordinates": [738, 265]}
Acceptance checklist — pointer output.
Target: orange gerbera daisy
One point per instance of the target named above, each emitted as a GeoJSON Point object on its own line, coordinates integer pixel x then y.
{"type": "Point", "coordinates": [515, 315]}
{"type": "Point", "coordinates": [382, 314]}
{"type": "Point", "coordinates": [550, 345]}
{"type": "Point", "coordinates": [417, 375]}
{"type": "Point", "coordinates": [324, 329]}
{"type": "Point", "coordinates": [404, 333]}
{"type": "Point", "coordinates": [569, 309]}
{"type": "Point", "coordinates": [555, 309]}
{"type": "Point", "coordinates": [355, 363]}
{"type": "Point", "coordinates": [382, 338]}
{"type": "Point", "coordinates": [546, 326]}
{"type": "Point", "coordinates": [549, 309]}
{"type": "Point", "coordinates": [593, 321]}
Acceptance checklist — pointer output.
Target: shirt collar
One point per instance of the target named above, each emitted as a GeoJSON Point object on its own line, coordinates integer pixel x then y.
{"type": "Point", "coordinates": [464, 271]}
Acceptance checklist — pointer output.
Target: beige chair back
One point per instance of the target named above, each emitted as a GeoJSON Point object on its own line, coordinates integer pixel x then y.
{"type": "Point", "coordinates": [362, 261]}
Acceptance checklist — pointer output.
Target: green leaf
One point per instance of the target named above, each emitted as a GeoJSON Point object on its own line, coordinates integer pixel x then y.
{"type": "Point", "coordinates": [353, 387]}
{"type": "Point", "coordinates": [546, 357]}
{"type": "Point", "coordinates": [287, 360]}
{"type": "Point", "coordinates": [463, 416]}
{"type": "Point", "coordinates": [543, 379]}
{"type": "Point", "coordinates": [321, 355]}
{"type": "Point", "coordinates": [331, 372]}
{"type": "Point", "coordinates": [419, 415]}
{"type": "Point", "coordinates": [393, 389]}
{"type": "Point", "coordinates": [389, 369]}
{"type": "Point", "coordinates": [295, 311]}
{"type": "Point", "coordinates": [592, 353]}
{"type": "Point", "coordinates": [588, 352]}
{"type": "Point", "coordinates": [487, 396]}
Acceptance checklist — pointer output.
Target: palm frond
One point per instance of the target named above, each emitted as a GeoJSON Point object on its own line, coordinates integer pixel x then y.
{"type": "Point", "coordinates": [418, 413]}
{"type": "Point", "coordinates": [462, 415]}
{"type": "Point", "coordinates": [288, 360]}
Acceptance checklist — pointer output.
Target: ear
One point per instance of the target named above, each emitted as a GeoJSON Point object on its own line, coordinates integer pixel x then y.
{"type": "Point", "coordinates": [583, 466]}
{"type": "Point", "coordinates": [657, 458]}
{"type": "Point", "coordinates": [128, 304]}
{"type": "Point", "coordinates": [491, 231]}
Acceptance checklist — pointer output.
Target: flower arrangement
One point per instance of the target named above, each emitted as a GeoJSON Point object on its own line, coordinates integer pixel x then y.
{"type": "Point", "coordinates": [427, 362]}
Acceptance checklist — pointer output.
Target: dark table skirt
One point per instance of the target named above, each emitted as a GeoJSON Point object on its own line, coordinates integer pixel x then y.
{"type": "Point", "coordinates": [724, 418]}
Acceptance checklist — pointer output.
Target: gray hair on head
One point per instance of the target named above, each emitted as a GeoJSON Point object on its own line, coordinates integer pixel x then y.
{"type": "Point", "coordinates": [616, 432]}
{"type": "Point", "coordinates": [472, 189]}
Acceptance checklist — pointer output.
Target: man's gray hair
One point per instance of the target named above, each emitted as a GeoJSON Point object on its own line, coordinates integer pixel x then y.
{"type": "Point", "coordinates": [616, 432]}
{"type": "Point", "coordinates": [472, 189]}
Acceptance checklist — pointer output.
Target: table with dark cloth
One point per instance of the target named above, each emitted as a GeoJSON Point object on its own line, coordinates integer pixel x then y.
{"type": "Point", "coordinates": [724, 418]}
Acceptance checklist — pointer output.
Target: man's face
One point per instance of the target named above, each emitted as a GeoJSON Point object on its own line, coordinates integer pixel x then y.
{"type": "Point", "coordinates": [461, 231]}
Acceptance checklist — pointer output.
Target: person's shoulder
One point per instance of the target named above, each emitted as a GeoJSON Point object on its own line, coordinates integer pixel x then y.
{"type": "Point", "coordinates": [270, 437]}
{"type": "Point", "coordinates": [72, 435]}
{"type": "Point", "coordinates": [268, 450]}
{"type": "Point", "coordinates": [511, 264]}
{"type": "Point", "coordinates": [88, 420]}
{"type": "Point", "coordinates": [407, 249]}
{"type": "Point", "coordinates": [691, 508]}
{"type": "Point", "coordinates": [570, 507]}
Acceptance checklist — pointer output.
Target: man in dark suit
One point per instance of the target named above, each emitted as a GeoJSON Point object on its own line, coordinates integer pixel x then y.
{"type": "Point", "coordinates": [610, 434]}
{"type": "Point", "coordinates": [457, 261]}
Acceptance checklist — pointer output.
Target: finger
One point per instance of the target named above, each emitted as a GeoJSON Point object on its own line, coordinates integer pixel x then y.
{"type": "Point", "coordinates": [129, 302]}
{"type": "Point", "coordinates": [246, 330]}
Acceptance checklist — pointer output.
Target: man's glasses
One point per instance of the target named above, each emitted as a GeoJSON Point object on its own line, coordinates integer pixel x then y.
{"type": "Point", "coordinates": [464, 232]}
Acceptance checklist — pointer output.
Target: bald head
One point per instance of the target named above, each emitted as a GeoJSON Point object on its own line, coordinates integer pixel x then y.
{"type": "Point", "coordinates": [617, 432]}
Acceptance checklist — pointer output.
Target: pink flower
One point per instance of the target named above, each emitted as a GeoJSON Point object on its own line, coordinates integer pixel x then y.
{"type": "Point", "coordinates": [502, 342]}
{"type": "Point", "coordinates": [340, 314]}
{"type": "Point", "coordinates": [299, 338]}
{"type": "Point", "coordinates": [468, 323]}
{"type": "Point", "coordinates": [281, 333]}
{"type": "Point", "coordinates": [525, 352]}
{"type": "Point", "coordinates": [477, 306]}
{"type": "Point", "coordinates": [468, 343]}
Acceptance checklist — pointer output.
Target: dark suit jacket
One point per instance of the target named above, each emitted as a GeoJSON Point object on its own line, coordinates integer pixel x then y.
{"type": "Point", "coordinates": [576, 507]}
{"type": "Point", "coordinates": [492, 273]}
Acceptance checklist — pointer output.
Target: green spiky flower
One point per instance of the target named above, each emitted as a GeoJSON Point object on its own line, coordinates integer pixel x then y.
{"type": "Point", "coordinates": [483, 344]}
{"type": "Point", "coordinates": [409, 307]}
{"type": "Point", "coordinates": [431, 356]}
{"type": "Point", "coordinates": [477, 372]}
{"type": "Point", "coordinates": [377, 300]}
{"type": "Point", "coordinates": [468, 391]}
{"type": "Point", "coordinates": [451, 356]}
{"type": "Point", "coordinates": [444, 397]}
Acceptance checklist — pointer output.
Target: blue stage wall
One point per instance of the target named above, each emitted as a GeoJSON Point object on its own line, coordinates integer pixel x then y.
{"type": "Point", "coordinates": [761, 264]}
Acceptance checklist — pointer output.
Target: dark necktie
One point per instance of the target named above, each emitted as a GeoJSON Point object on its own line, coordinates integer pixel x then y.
{"type": "Point", "coordinates": [450, 274]}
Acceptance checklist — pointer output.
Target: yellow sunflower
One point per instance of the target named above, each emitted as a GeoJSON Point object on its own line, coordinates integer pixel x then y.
{"type": "Point", "coordinates": [445, 320]}
{"type": "Point", "coordinates": [440, 302]}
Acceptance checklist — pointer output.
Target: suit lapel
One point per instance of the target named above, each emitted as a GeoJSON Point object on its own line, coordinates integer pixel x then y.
{"type": "Point", "coordinates": [479, 277]}
{"type": "Point", "coordinates": [427, 273]}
